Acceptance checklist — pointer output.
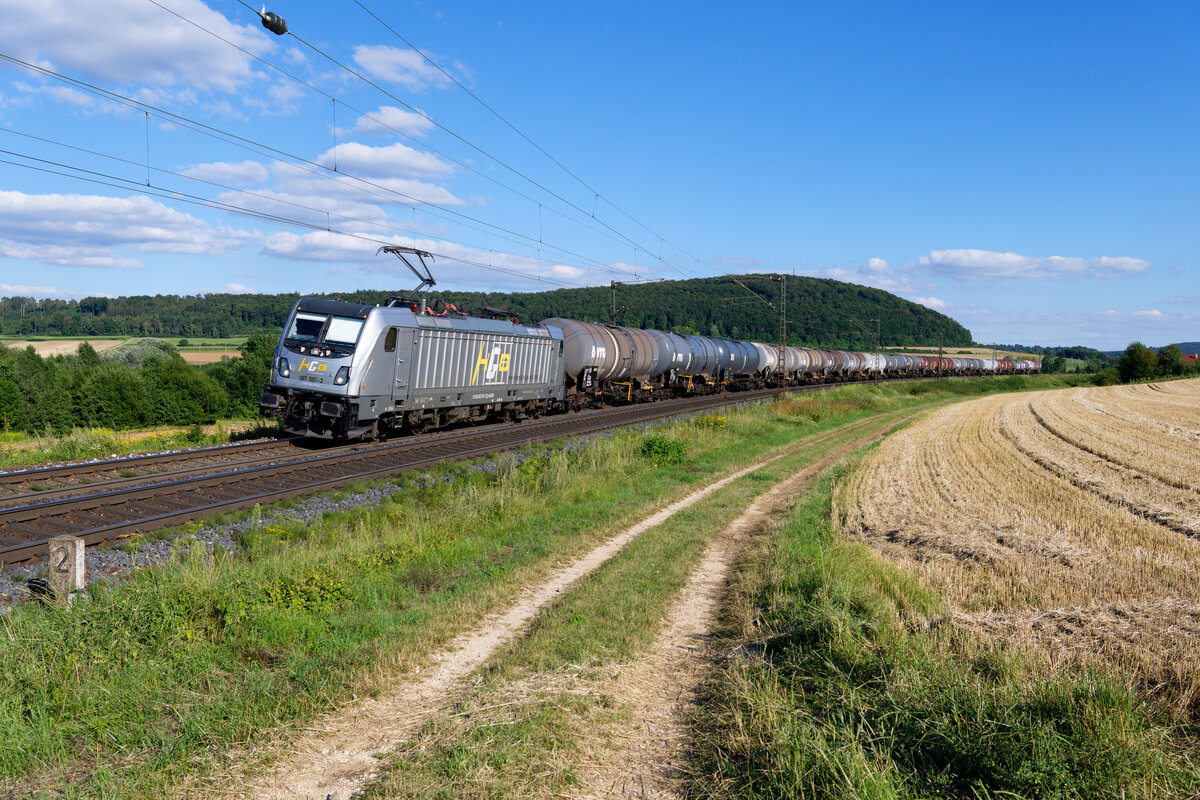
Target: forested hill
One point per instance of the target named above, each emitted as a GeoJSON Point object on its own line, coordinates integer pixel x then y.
{"type": "Point", "coordinates": [819, 312]}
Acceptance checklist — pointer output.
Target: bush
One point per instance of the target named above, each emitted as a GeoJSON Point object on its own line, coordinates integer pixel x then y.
{"type": "Point", "coordinates": [662, 449]}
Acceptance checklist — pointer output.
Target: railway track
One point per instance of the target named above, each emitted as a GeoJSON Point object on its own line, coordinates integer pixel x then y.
{"type": "Point", "coordinates": [56, 502]}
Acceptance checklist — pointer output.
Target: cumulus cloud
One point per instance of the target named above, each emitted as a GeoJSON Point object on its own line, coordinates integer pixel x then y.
{"type": "Point", "coordinates": [877, 273]}
{"type": "Point", "coordinates": [82, 230]}
{"type": "Point", "coordinates": [237, 288]}
{"type": "Point", "coordinates": [393, 161]}
{"type": "Point", "coordinates": [388, 120]}
{"type": "Point", "coordinates": [456, 265]}
{"type": "Point", "coordinates": [140, 43]}
{"type": "Point", "coordinates": [988, 265]}
{"type": "Point", "coordinates": [319, 246]}
{"type": "Point", "coordinates": [245, 173]}
{"type": "Point", "coordinates": [324, 210]}
{"type": "Point", "coordinates": [930, 302]}
{"type": "Point", "coordinates": [23, 290]}
{"type": "Point", "coordinates": [405, 67]}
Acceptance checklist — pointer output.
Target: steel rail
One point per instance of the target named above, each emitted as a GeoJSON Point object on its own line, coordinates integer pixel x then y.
{"type": "Point", "coordinates": [113, 514]}
{"type": "Point", "coordinates": [26, 530]}
{"type": "Point", "coordinates": [127, 462]}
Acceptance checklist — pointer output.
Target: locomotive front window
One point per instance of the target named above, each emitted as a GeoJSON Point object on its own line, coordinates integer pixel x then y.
{"type": "Point", "coordinates": [307, 327]}
{"type": "Point", "coordinates": [343, 330]}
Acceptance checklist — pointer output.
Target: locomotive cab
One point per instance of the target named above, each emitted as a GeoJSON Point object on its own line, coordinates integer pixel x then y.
{"type": "Point", "coordinates": [312, 380]}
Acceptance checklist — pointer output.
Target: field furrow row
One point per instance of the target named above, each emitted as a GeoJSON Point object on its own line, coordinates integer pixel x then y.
{"type": "Point", "coordinates": [1064, 522]}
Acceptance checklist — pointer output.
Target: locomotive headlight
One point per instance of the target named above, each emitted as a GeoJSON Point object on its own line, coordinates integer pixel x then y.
{"type": "Point", "coordinates": [282, 367]}
{"type": "Point", "coordinates": [342, 376]}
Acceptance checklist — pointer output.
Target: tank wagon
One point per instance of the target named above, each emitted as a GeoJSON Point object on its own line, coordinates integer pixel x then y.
{"type": "Point", "coordinates": [344, 370]}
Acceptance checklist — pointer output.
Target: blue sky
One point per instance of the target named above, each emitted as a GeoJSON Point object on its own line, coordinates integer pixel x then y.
{"type": "Point", "coordinates": [1029, 169]}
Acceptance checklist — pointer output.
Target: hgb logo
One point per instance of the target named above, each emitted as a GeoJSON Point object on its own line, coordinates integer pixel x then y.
{"type": "Point", "coordinates": [312, 366]}
{"type": "Point", "coordinates": [493, 361]}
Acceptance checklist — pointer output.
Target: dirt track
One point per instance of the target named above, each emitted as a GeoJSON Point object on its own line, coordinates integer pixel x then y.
{"type": "Point", "coordinates": [340, 754]}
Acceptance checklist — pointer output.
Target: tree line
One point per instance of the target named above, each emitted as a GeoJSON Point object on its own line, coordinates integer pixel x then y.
{"type": "Point", "coordinates": [820, 312]}
{"type": "Point", "coordinates": [1139, 363]}
{"type": "Point", "coordinates": [144, 385]}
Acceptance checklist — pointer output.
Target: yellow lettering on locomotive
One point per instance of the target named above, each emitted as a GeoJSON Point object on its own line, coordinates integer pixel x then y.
{"type": "Point", "coordinates": [312, 366]}
{"type": "Point", "coordinates": [481, 361]}
{"type": "Point", "coordinates": [493, 362]}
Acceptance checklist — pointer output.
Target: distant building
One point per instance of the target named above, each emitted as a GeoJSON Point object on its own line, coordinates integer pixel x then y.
{"type": "Point", "coordinates": [1191, 359]}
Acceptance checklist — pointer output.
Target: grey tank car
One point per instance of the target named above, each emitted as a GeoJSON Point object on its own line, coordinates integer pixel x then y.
{"type": "Point", "coordinates": [345, 371]}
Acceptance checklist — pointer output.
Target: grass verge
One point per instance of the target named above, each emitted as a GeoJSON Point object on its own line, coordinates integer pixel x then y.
{"type": "Point", "coordinates": [524, 729]}
{"type": "Point", "coordinates": [147, 687]}
{"type": "Point", "coordinates": [843, 679]}
{"type": "Point", "coordinates": [18, 450]}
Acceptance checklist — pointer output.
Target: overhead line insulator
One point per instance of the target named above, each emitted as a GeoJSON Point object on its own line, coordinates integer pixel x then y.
{"type": "Point", "coordinates": [273, 22]}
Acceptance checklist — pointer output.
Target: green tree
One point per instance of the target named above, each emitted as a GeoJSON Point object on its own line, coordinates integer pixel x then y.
{"type": "Point", "coordinates": [1170, 361]}
{"type": "Point", "coordinates": [88, 357]}
{"type": "Point", "coordinates": [1053, 364]}
{"type": "Point", "coordinates": [1138, 362]}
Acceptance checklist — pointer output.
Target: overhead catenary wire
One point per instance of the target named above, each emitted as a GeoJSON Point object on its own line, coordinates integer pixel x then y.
{"type": "Point", "coordinates": [462, 139]}
{"type": "Point", "coordinates": [596, 194]}
{"type": "Point", "coordinates": [383, 192]}
{"type": "Point", "coordinates": [320, 170]}
{"type": "Point", "coordinates": [125, 183]}
{"type": "Point", "coordinates": [247, 192]}
{"type": "Point", "coordinates": [367, 115]}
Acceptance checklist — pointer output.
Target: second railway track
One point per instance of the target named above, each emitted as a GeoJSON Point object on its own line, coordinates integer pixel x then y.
{"type": "Point", "coordinates": [122, 506]}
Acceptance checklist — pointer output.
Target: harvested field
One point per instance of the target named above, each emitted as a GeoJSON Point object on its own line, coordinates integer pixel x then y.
{"type": "Point", "coordinates": [973, 352]}
{"type": "Point", "coordinates": [1065, 523]}
{"type": "Point", "coordinates": [198, 356]}
{"type": "Point", "coordinates": [61, 347]}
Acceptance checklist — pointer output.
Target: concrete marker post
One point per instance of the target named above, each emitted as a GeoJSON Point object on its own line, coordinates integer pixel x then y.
{"type": "Point", "coordinates": [67, 572]}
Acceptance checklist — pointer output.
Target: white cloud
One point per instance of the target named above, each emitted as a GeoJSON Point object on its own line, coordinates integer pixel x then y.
{"type": "Point", "coordinates": [125, 41]}
{"type": "Point", "coordinates": [245, 173]}
{"type": "Point", "coordinates": [393, 161]}
{"type": "Point", "coordinates": [67, 255]}
{"type": "Point", "coordinates": [237, 288]}
{"type": "Point", "coordinates": [405, 67]}
{"type": "Point", "coordinates": [454, 265]}
{"type": "Point", "coordinates": [82, 230]}
{"type": "Point", "coordinates": [988, 265]}
{"type": "Point", "coordinates": [930, 302]}
{"type": "Point", "coordinates": [877, 273]}
{"type": "Point", "coordinates": [389, 119]}
{"type": "Point", "coordinates": [319, 246]}
{"type": "Point", "coordinates": [21, 290]}
{"type": "Point", "coordinates": [321, 187]}
{"type": "Point", "coordinates": [323, 210]}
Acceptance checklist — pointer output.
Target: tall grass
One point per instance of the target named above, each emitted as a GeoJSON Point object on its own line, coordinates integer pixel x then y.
{"type": "Point", "coordinates": [85, 443]}
{"type": "Point", "coordinates": [151, 680]}
{"type": "Point", "coordinates": [843, 681]}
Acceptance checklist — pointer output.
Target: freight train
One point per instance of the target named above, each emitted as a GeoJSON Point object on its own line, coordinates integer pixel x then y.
{"type": "Point", "coordinates": [348, 371]}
